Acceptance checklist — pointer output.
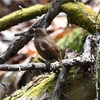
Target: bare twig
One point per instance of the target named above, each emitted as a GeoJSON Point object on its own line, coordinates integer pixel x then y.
{"type": "Point", "coordinates": [41, 66]}
{"type": "Point", "coordinates": [33, 66]}
{"type": "Point", "coordinates": [96, 61]}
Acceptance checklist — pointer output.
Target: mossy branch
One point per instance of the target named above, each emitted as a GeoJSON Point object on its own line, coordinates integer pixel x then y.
{"type": "Point", "coordinates": [75, 15]}
{"type": "Point", "coordinates": [22, 15]}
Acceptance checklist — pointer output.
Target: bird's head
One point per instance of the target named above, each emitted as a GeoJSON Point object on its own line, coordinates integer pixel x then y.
{"type": "Point", "coordinates": [39, 32]}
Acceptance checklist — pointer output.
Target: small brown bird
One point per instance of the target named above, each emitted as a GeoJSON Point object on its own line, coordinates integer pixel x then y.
{"type": "Point", "coordinates": [46, 46]}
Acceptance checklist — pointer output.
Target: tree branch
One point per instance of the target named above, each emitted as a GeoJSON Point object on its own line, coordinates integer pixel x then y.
{"type": "Point", "coordinates": [76, 16]}
{"type": "Point", "coordinates": [15, 47]}
{"type": "Point", "coordinates": [31, 66]}
{"type": "Point", "coordinates": [22, 15]}
{"type": "Point", "coordinates": [61, 82]}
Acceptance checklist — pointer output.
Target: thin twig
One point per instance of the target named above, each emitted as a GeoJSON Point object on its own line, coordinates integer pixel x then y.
{"type": "Point", "coordinates": [96, 61]}
{"type": "Point", "coordinates": [42, 66]}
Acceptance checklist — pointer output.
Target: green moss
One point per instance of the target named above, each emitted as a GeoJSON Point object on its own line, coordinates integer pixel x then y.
{"type": "Point", "coordinates": [81, 88]}
{"type": "Point", "coordinates": [76, 15]}
{"type": "Point", "coordinates": [23, 14]}
{"type": "Point", "coordinates": [73, 40]}
{"type": "Point", "coordinates": [43, 87]}
{"type": "Point", "coordinates": [29, 93]}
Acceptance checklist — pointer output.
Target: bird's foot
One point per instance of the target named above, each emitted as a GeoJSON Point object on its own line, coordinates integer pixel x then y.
{"type": "Point", "coordinates": [48, 67]}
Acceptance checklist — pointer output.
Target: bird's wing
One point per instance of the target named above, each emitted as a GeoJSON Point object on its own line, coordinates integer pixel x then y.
{"type": "Point", "coordinates": [51, 49]}
{"type": "Point", "coordinates": [50, 46]}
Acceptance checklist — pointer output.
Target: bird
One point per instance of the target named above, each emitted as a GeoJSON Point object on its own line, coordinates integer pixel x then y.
{"type": "Point", "coordinates": [46, 46]}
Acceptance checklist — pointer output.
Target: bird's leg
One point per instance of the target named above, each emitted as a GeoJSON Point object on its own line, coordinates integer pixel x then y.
{"type": "Point", "coordinates": [48, 66]}
{"type": "Point", "coordinates": [43, 61]}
